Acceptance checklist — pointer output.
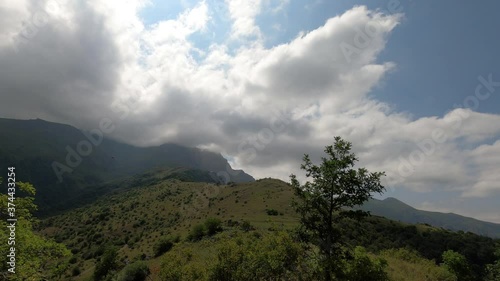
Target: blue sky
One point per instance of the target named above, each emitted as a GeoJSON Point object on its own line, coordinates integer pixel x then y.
{"type": "Point", "coordinates": [265, 81]}
{"type": "Point", "coordinates": [440, 47]}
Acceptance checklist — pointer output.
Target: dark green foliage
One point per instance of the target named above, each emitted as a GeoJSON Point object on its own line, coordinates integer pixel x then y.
{"type": "Point", "coordinates": [246, 226]}
{"type": "Point", "coordinates": [493, 272]}
{"type": "Point", "coordinates": [362, 267]}
{"type": "Point", "coordinates": [163, 246]}
{"type": "Point", "coordinates": [196, 233]}
{"type": "Point", "coordinates": [213, 226]}
{"type": "Point", "coordinates": [37, 258]}
{"type": "Point", "coordinates": [248, 258]}
{"type": "Point", "coordinates": [137, 271]}
{"type": "Point", "coordinates": [458, 265]}
{"type": "Point", "coordinates": [272, 212]}
{"type": "Point", "coordinates": [335, 185]}
{"type": "Point", "coordinates": [75, 271]}
{"type": "Point", "coordinates": [376, 234]}
{"type": "Point", "coordinates": [106, 264]}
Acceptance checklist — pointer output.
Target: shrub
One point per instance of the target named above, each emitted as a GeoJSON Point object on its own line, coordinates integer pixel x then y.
{"type": "Point", "coordinates": [213, 226]}
{"type": "Point", "coordinates": [246, 226]}
{"type": "Point", "coordinates": [272, 212]}
{"type": "Point", "coordinates": [163, 246]}
{"type": "Point", "coordinates": [106, 264]}
{"type": "Point", "coordinates": [196, 233]}
{"type": "Point", "coordinates": [274, 257]}
{"type": "Point", "coordinates": [362, 267]}
{"type": "Point", "coordinates": [75, 271]}
{"type": "Point", "coordinates": [458, 265]}
{"type": "Point", "coordinates": [137, 271]}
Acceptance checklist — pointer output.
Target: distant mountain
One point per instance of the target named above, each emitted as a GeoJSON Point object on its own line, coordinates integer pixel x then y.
{"type": "Point", "coordinates": [394, 209]}
{"type": "Point", "coordinates": [62, 161]}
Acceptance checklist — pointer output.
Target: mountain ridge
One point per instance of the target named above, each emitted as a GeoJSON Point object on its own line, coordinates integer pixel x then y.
{"type": "Point", "coordinates": [62, 161]}
{"type": "Point", "coordinates": [395, 209]}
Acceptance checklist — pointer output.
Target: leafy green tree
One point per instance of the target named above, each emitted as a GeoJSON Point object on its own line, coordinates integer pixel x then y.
{"type": "Point", "coordinates": [458, 265]}
{"type": "Point", "coordinates": [362, 267]}
{"type": "Point", "coordinates": [106, 264]}
{"type": "Point", "coordinates": [37, 258]}
{"type": "Point", "coordinates": [493, 270]}
{"type": "Point", "coordinates": [335, 185]}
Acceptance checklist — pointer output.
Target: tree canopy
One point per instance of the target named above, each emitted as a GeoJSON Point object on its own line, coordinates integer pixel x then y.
{"type": "Point", "coordinates": [336, 187]}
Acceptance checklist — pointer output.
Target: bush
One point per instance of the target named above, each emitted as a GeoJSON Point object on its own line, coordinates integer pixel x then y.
{"type": "Point", "coordinates": [362, 267]}
{"type": "Point", "coordinates": [272, 212]}
{"type": "Point", "coordinates": [196, 233]}
{"type": "Point", "coordinates": [106, 264]}
{"type": "Point", "coordinates": [75, 271]}
{"type": "Point", "coordinates": [458, 265]}
{"type": "Point", "coordinates": [274, 257]}
{"type": "Point", "coordinates": [213, 226]}
{"type": "Point", "coordinates": [178, 265]}
{"type": "Point", "coordinates": [137, 271]}
{"type": "Point", "coordinates": [246, 226]}
{"type": "Point", "coordinates": [163, 246]}
{"type": "Point", "coordinates": [408, 265]}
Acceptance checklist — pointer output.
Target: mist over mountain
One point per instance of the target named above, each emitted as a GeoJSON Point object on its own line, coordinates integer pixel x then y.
{"type": "Point", "coordinates": [62, 161]}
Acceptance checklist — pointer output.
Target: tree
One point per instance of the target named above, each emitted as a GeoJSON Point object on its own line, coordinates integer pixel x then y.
{"type": "Point", "coordinates": [458, 265]}
{"type": "Point", "coordinates": [36, 258]}
{"type": "Point", "coordinates": [493, 270]}
{"type": "Point", "coordinates": [106, 264]}
{"type": "Point", "coordinates": [322, 202]}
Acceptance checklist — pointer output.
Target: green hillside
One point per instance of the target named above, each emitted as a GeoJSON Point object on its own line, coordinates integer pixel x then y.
{"type": "Point", "coordinates": [33, 146]}
{"type": "Point", "coordinates": [152, 207]}
{"type": "Point", "coordinates": [396, 210]}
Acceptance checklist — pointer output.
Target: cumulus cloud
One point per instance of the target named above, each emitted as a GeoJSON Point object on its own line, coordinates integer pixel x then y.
{"type": "Point", "coordinates": [263, 106]}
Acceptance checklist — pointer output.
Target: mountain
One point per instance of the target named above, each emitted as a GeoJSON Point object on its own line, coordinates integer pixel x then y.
{"type": "Point", "coordinates": [394, 209]}
{"type": "Point", "coordinates": [63, 162]}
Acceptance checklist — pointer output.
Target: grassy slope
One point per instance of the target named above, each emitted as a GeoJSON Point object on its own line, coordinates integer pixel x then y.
{"type": "Point", "coordinates": [135, 219]}
{"type": "Point", "coordinates": [152, 206]}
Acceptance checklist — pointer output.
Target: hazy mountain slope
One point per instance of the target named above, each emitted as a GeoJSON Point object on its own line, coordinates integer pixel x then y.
{"type": "Point", "coordinates": [396, 210]}
{"type": "Point", "coordinates": [32, 146]}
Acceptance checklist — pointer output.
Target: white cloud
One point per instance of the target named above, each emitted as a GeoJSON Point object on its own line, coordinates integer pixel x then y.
{"type": "Point", "coordinates": [243, 13]}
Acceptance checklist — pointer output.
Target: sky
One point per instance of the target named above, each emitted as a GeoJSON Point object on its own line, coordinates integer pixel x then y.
{"type": "Point", "coordinates": [414, 85]}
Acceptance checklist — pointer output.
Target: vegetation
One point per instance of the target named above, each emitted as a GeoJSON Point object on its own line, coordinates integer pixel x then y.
{"type": "Point", "coordinates": [137, 271]}
{"type": "Point", "coordinates": [335, 185]}
{"type": "Point", "coordinates": [36, 257]}
{"type": "Point", "coordinates": [106, 265]}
